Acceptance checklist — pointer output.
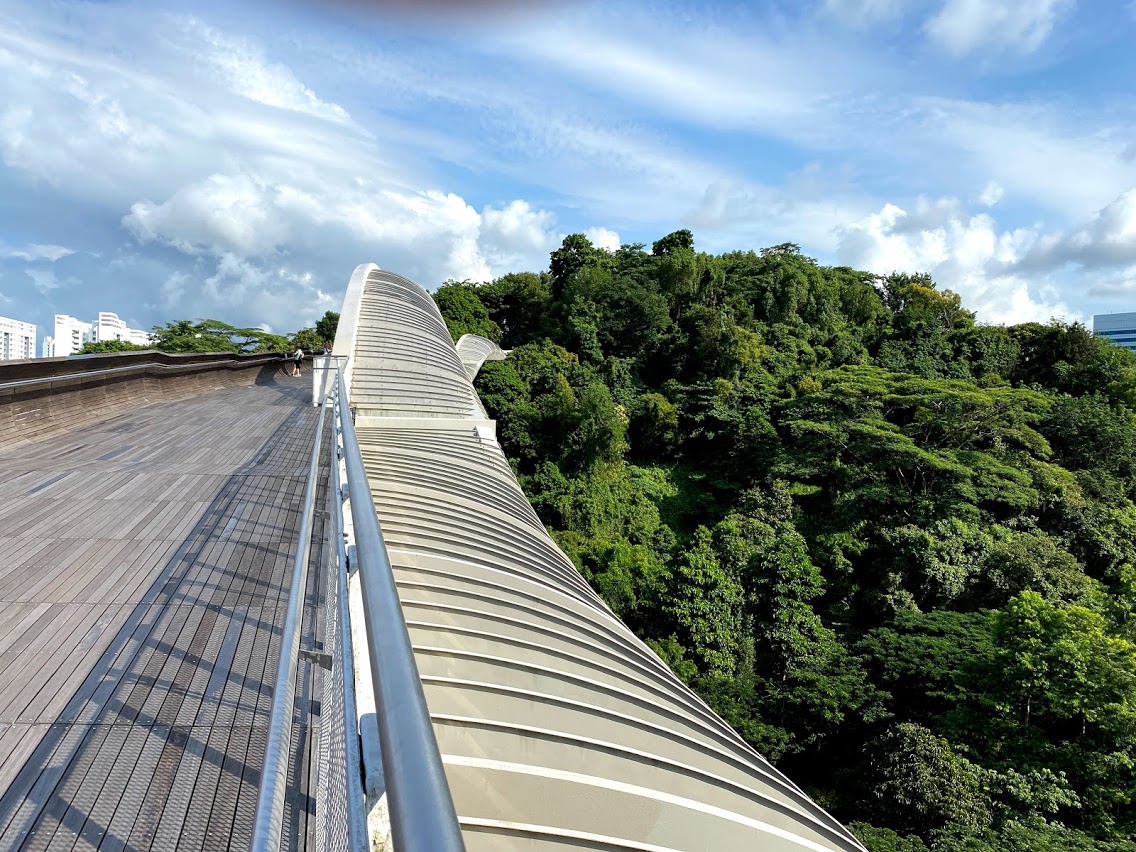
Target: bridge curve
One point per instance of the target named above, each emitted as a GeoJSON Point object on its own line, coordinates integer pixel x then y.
{"type": "Point", "coordinates": [557, 726]}
{"type": "Point", "coordinates": [475, 350]}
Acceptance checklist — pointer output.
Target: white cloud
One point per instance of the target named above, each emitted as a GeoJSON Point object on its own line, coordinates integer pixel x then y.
{"type": "Point", "coordinates": [1113, 226]}
{"type": "Point", "coordinates": [745, 78]}
{"type": "Point", "coordinates": [513, 236]}
{"type": "Point", "coordinates": [220, 214]}
{"type": "Point", "coordinates": [863, 12]}
{"type": "Point", "coordinates": [1122, 284]}
{"type": "Point", "coordinates": [964, 26]}
{"type": "Point", "coordinates": [35, 252]}
{"type": "Point", "coordinates": [247, 223]}
{"type": "Point", "coordinates": [46, 280]}
{"type": "Point", "coordinates": [239, 152]}
{"type": "Point", "coordinates": [59, 125]}
{"type": "Point", "coordinates": [808, 211]}
{"type": "Point", "coordinates": [968, 254]}
{"type": "Point", "coordinates": [244, 68]}
{"type": "Point", "coordinates": [1062, 159]}
{"type": "Point", "coordinates": [991, 194]}
{"type": "Point", "coordinates": [603, 238]}
{"type": "Point", "coordinates": [1108, 238]}
{"type": "Point", "coordinates": [768, 84]}
{"type": "Point", "coordinates": [269, 208]}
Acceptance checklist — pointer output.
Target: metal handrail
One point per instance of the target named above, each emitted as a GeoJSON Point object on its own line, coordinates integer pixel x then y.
{"type": "Point", "coordinates": [421, 808]}
{"type": "Point", "coordinates": [357, 832]}
{"type": "Point", "coordinates": [322, 373]}
{"type": "Point", "coordinates": [274, 777]}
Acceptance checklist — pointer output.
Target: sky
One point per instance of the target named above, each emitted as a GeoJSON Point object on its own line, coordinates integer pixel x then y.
{"type": "Point", "coordinates": [237, 160]}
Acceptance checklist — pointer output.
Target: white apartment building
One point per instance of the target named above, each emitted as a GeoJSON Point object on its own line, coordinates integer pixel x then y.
{"type": "Point", "coordinates": [17, 339]}
{"type": "Point", "coordinates": [109, 327]}
{"type": "Point", "coordinates": [71, 335]}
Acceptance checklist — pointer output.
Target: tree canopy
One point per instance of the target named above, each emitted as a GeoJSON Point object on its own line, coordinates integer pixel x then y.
{"type": "Point", "coordinates": [893, 546]}
{"type": "Point", "coordinates": [211, 335]}
{"type": "Point", "coordinates": [102, 347]}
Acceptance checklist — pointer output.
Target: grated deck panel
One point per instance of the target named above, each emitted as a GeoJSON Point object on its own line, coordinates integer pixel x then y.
{"type": "Point", "coordinates": [144, 571]}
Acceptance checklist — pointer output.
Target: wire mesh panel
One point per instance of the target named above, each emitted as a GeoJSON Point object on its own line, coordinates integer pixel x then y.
{"type": "Point", "coordinates": [332, 821]}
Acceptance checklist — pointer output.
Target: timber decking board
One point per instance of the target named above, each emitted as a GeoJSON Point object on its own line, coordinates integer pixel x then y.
{"type": "Point", "coordinates": [144, 571]}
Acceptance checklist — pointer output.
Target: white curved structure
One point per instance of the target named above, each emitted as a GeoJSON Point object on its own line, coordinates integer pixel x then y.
{"type": "Point", "coordinates": [474, 350]}
{"type": "Point", "coordinates": [558, 728]}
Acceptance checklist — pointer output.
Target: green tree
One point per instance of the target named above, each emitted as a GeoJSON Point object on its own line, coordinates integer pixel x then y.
{"type": "Point", "coordinates": [599, 436]}
{"type": "Point", "coordinates": [576, 252]}
{"type": "Point", "coordinates": [1058, 662]}
{"type": "Point", "coordinates": [210, 335]}
{"type": "Point", "coordinates": [307, 339]}
{"type": "Point", "coordinates": [102, 347]}
{"type": "Point", "coordinates": [681, 239]}
{"type": "Point", "coordinates": [707, 607]}
{"type": "Point", "coordinates": [327, 325]}
{"type": "Point", "coordinates": [844, 493]}
{"type": "Point", "coordinates": [464, 312]}
{"type": "Point", "coordinates": [932, 665]}
{"type": "Point", "coordinates": [654, 426]}
{"type": "Point", "coordinates": [187, 336]}
{"type": "Point", "coordinates": [886, 840]}
{"type": "Point", "coordinates": [519, 304]}
{"type": "Point", "coordinates": [917, 784]}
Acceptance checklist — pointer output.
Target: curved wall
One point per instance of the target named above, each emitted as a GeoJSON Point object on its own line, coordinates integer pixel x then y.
{"type": "Point", "coordinates": [44, 396]}
{"type": "Point", "coordinates": [558, 727]}
{"type": "Point", "coordinates": [474, 351]}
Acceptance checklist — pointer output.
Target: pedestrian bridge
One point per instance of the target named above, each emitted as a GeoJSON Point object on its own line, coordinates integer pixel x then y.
{"type": "Point", "coordinates": [232, 619]}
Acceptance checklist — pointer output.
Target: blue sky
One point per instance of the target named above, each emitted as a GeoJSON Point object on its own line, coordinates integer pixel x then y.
{"type": "Point", "coordinates": [237, 160]}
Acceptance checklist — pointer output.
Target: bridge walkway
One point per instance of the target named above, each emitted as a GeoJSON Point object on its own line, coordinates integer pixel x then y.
{"type": "Point", "coordinates": [144, 571]}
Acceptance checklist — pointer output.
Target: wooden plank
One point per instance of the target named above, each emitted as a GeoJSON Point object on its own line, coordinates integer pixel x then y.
{"type": "Point", "coordinates": [157, 567]}
{"type": "Point", "coordinates": [17, 741]}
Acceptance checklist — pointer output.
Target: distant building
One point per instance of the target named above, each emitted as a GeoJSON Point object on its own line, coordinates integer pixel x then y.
{"type": "Point", "coordinates": [71, 335]}
{"type": "Point", "coordinates": [17, 339]}
{"type": "Point", "coordinates": [1119, 328]}
{"type": "Point", "coordinates": [110, 327]}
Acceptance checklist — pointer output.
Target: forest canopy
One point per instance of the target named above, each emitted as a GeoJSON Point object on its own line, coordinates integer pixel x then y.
{"type": "Point", "coordinates": [894, 547]}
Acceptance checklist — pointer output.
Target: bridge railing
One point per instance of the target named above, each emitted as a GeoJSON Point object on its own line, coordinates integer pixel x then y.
{"type": "Point", "coordinates": [347, 724]}
{"type": "Point", "coordinates": [422, 814]}
{"type": "Point", "coordinates": [274, 778]}
{"type": "Point", "coordinates": [325, 368]}
{"type": "Point", "coordinates": [421, 809]}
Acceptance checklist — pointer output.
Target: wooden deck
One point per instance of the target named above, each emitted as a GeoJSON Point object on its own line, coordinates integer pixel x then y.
{"type": "Point", "coordinates": [144, 571]}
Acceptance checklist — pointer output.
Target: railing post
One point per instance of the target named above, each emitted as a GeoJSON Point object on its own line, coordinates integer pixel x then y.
{"type": "Point", "coordinates": [325, 369]}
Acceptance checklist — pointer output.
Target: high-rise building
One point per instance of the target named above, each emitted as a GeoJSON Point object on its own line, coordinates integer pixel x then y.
{"type": "Point", "coordinates": [1119, 328]}
{"type": "Point", "coordinates": [71, 334]}
{"type": "Point", "coordinates": [109, 327]}
{"type": "Point", "coordinates": [48, 347]}
{"type": "Point", "coordinates": [17, 339]}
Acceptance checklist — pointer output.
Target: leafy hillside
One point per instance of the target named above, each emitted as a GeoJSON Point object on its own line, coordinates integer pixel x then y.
{"type": "Point", "coordinates": [896, 549]}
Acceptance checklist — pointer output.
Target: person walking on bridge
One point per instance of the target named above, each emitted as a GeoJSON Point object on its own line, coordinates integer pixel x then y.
{"type": "Point", "coordinates": [297, 360]}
